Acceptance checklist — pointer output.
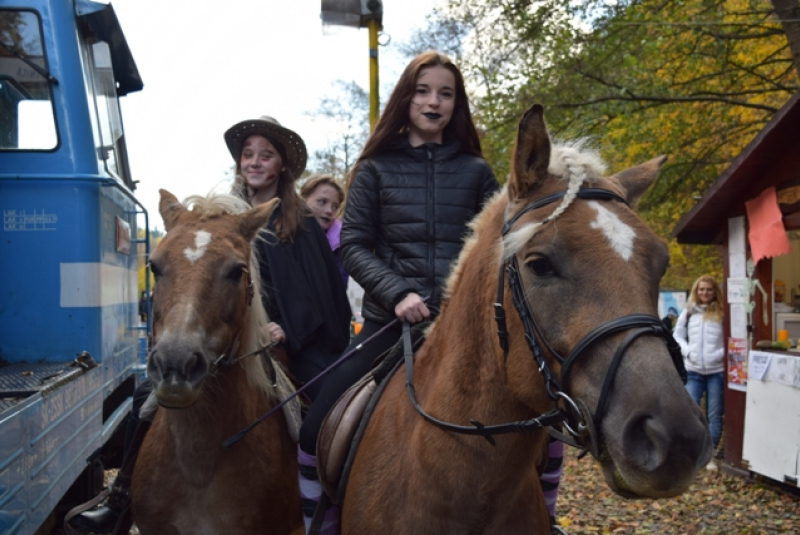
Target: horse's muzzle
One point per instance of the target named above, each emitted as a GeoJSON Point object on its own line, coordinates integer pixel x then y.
{"type": "Point", "coordinates": [660, 453]}
{"type": "Point", "coordinates": [177, 370]}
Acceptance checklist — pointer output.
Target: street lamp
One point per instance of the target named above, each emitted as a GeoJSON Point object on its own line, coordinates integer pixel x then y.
{"type": "Point", "coordinates": [360, 14]}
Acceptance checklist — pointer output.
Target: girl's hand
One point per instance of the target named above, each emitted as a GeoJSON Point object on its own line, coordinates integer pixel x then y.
{"type": "Point", "coordinates": [412, 309]}
{"type": "Point", "coordinates": [276, 333]}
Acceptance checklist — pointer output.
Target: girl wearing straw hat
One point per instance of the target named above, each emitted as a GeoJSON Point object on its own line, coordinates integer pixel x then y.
{"type": "Point", "coordinates": [305, 295]}
{"type": "Point", "coordinates": [303, 290]}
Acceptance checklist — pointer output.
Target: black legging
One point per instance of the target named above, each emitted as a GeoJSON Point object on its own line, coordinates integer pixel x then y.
{"type": "Point", "coordinates": [344, 376]}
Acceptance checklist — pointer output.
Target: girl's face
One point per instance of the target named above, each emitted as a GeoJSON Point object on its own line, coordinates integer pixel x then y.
{"type": "Point", "coordinates": [705, 292]}
{"type": "Point", "coordinates": [324, 203]}
{"type": "Point", "coordinates": [432, 106]}
{"type": "Point", "coordinates": [261, 164]}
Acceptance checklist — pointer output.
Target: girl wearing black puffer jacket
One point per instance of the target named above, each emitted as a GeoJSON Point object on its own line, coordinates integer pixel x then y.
{"type": "Point", "coordinates": [419, 180]}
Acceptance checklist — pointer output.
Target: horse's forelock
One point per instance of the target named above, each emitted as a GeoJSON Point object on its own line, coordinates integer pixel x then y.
{"type": "Point", "coordinates": [214, 205]}
{"type": "Point", "coordinates": [574, 162]}
{"type": "Point", "coordinates": [576, 158]}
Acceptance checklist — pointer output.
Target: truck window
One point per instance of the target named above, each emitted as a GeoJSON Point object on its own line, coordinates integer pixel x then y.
{"type": "Point", "coordinates": [27, 120]}
{"type": "Point", "coordinates": [107, 108]}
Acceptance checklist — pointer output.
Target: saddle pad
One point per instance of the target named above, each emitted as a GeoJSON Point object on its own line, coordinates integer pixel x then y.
{"type": "Point", "coordinates": [338, 497]}
{"type": "Point", "coordinates": [346, 422]}
{"type": "Point", "coordinates": [338, 430]}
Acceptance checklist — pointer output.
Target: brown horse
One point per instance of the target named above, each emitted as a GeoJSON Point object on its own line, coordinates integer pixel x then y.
{"type": "Point", "coordinates": [208, 316]}
{"type": "Point", "coordinates": [586, 271]}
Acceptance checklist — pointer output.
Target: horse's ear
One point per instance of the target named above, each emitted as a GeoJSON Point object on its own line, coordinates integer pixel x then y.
{"type": "Point", "coordinates": [637, 179]}
{"type": "Point", "coordinates": [170, 209]}
{"type": "Point", "coordinates": [531, 153]}
{"type": "Point", "coordinates": [253, 220]}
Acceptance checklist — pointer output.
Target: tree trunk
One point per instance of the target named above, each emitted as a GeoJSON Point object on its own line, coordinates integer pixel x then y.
{"type": "Point", "coordinates": [788, 11]}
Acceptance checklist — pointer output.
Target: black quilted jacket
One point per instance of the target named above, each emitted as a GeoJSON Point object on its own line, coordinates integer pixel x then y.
{"type": "Point", "coordinates": [405, 221]}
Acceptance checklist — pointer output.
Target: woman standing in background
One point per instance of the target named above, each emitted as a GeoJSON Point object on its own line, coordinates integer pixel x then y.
{"type": "Point", "coordinates": [699, 332]}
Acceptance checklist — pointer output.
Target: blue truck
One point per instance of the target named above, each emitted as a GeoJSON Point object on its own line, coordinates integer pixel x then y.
{"type": "Point", "coordinates": [74, 235]}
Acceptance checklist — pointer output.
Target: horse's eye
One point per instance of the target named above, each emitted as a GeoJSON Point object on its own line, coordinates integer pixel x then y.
{"type": "Point", "coordinates": [236, 272]}
{"type": "Point", "coordinates": [154, 269]}
{"type": "Point", "coordinates": [540, 267]}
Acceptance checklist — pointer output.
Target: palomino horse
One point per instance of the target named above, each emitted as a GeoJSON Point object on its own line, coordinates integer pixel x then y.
{"type": "Point", "coordinates": [209, 378]}
{"type": "Point", "coordinates": [585, 270]}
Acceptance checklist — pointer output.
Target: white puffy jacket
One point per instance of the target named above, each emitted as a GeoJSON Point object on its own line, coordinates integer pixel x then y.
{"type": "Point", "coordinates": [702, 342]}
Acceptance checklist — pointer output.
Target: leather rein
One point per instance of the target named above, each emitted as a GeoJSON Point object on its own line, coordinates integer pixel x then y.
{"type": "Point", "coordinates": [581, 425]}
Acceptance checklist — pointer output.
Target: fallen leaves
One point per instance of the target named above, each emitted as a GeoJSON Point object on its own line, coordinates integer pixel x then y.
{"type": "Point", "coordinates": [716, 504]}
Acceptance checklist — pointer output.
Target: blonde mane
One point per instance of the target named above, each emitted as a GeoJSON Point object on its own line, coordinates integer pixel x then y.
{"type": "Point", "coordinates": [214, 205]}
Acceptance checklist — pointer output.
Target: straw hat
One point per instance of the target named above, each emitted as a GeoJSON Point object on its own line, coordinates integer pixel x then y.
{"type": "Point", "coordinates": [292, 145]}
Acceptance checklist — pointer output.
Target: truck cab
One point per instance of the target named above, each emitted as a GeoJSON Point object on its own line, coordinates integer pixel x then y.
{"type": "Point", "coordinates": [71, 246]}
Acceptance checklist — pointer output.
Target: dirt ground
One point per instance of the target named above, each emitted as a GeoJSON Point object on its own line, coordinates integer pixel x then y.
{"type": "Point", "coordinates": [715, 504]}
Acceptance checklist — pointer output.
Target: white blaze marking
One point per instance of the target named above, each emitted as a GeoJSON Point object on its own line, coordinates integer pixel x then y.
{"type": "Point", "coordinates": [619, 234]}
{"type": "Point", "coordinates": [201, 241]}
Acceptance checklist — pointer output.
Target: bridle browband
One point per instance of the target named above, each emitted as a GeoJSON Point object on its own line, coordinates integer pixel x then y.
{"type": "Point", "coordinates": [582, 427]}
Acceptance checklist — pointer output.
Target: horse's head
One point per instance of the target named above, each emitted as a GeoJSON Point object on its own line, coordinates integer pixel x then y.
{"type": "Point", "coordinates": [589, 270]}
{"type": "Point", "coordinates": [203, 292]}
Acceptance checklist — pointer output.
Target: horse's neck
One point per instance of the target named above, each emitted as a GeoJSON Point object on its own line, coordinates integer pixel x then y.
{"type": "Point", "coordinates": [224, 408]}
{"type": "Point", "coordinates": [460, 384]}
{"type": "Point", "coordinates": [464, 367]}
{"type": "Point", "coordinates": [461, 373]}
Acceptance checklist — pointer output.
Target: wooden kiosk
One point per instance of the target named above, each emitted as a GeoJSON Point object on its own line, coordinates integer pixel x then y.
{"type": "Point", "coordinates": [762, 415]}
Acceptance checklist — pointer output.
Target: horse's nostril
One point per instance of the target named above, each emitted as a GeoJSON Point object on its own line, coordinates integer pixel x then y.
{"type": "Point", "coordinates": [196, 366]}
{"type": "Point", "coordinates": [645, 442]}
{"type": "Point", "coordinates": [153, 364]}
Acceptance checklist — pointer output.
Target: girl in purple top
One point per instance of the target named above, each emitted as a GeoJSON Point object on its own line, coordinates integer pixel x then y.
{"type": "Point", "coordinates": [325, 198]}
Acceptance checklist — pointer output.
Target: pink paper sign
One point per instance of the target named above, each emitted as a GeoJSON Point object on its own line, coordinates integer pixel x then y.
{"type": "Point", "coordinates": [767, 235]}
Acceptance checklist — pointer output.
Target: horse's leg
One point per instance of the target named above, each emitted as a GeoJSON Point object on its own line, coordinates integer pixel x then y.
{"type": "Point", "coordinates": [153, 486]}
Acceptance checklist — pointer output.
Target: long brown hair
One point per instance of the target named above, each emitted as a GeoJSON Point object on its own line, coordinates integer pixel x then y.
{"type": "Point", "coordinates": [292, 210]}
{"type": "Point", "coordinates": [393, 122]}
{"type": "Point", "coordinates": [716, 308]}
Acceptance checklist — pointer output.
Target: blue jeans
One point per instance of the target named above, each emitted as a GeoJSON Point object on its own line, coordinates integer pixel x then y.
{"type": "Point", "coordinates": [712, 385]}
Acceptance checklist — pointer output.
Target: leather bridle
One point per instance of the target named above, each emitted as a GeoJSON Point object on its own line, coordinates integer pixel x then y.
{"type": "Point", "coordinates": [228, 358]}
{"type": "Point", "coordinates": [581, 425]}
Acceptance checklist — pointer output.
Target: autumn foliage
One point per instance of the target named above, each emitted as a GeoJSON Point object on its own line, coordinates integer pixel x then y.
{"type": "Point", "coordinates": [693, 79]}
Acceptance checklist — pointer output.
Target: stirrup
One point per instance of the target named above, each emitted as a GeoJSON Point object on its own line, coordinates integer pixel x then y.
{"type": "Point", "coordinates": [121, 526]}
{"type": "Point", "coordinates": [82, 508]}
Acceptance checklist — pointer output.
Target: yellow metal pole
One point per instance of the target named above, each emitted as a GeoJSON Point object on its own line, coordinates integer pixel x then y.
{"type": "Point", "coordinates": [374, 99]}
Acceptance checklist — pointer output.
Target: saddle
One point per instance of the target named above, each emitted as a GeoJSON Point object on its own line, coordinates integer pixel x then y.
{"type": "Point", "coordinates": [344, 426]}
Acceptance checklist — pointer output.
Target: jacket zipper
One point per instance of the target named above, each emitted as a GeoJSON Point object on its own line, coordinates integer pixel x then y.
{"type": "Point", "coordinates": [430, 223]}
{"type": "Point", "coordinates": [701, 347]}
